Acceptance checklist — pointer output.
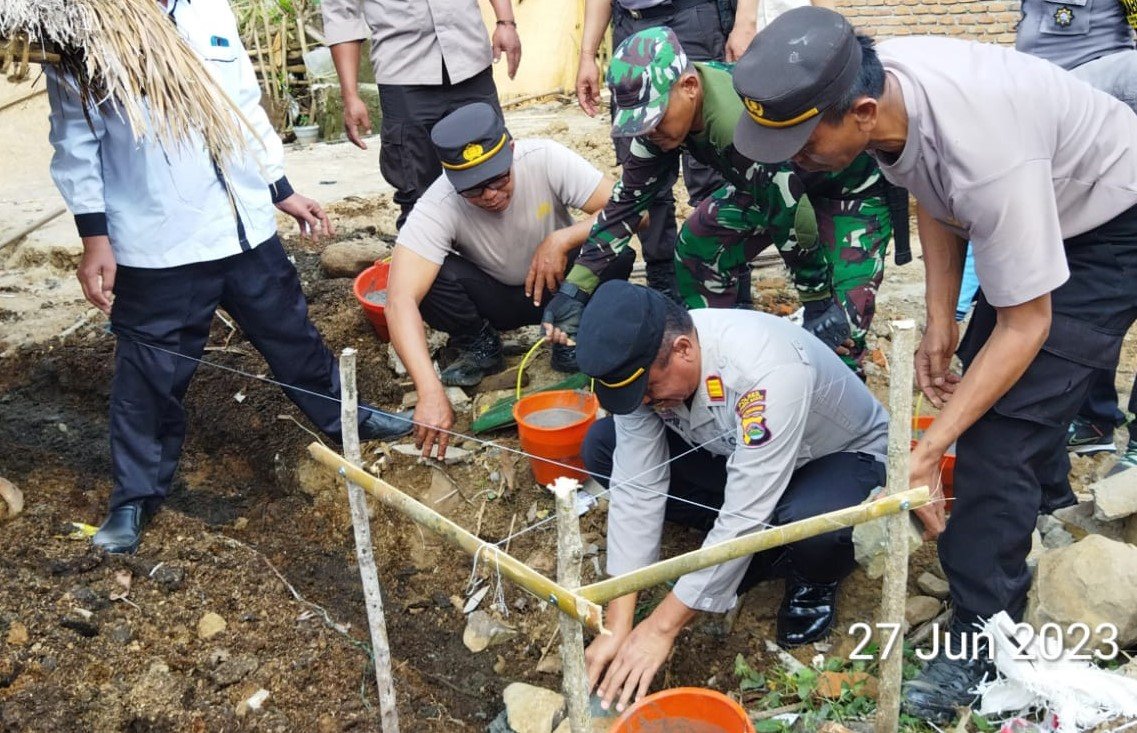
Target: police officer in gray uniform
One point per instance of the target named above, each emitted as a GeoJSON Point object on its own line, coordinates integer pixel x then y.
{"type": "Point", "coordinates": [766, 425]}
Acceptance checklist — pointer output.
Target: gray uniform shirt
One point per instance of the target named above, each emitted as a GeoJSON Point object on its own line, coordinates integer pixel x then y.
{"type": "Point", "coordinates": [410, 39]}
{"type": "Point", "coordinates": [1073, 32]}
{"type": "Point", "coordinates": [772, 398]}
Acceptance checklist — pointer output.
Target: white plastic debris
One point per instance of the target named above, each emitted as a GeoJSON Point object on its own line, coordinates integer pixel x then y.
{"type": "Point", "coordinates": [1037, 673]}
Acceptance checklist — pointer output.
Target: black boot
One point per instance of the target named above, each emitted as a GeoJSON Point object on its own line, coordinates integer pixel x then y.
{"type": "Point", "coordinates": [385, 426]}
{"type": "Point", "coordinates": [122, 529]}
{"type": "Point", "coordinates": [478, 356]}
{"type": "Point", "coordinates": [661, 278]}
{"type": "Point", "coordinates": [807, 612]}
{"type": "Point", "coordinates": [563, 359]}
{"type": "Point", "coordinates": [946, 684]}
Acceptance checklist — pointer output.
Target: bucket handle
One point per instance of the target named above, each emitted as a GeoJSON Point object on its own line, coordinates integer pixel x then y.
{"type": "Point", "coordinates": [525, 362]}
{"type": "Point", "coordinates": [919, 408]}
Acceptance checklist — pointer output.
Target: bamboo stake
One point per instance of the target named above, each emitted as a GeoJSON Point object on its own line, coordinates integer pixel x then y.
{"type": "Point", "coordinates": [266, 84]}
{"type": "Point", "coordinates": [705, 557]}
{"type": "Point", "coordinates": [590, 614]}
{"type": "Point", "coordinates": [364, 554]}
{"type": "Point", "coordinates": [23, 98]}
{"type": "Point", "coordinates": [268, 48]}
{"type": "Point", "coordinates": [895, 584]}
{"type": "Point", "coordinates": [570, 552]}
{"type": "Point", "coordinates": [25, 231]}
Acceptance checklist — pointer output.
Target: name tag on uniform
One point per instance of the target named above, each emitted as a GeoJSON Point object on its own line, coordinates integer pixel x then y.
{"type": "Point", "coordinates": [219, 42]}
{"type": "Point", "coordinates": [715, 391]}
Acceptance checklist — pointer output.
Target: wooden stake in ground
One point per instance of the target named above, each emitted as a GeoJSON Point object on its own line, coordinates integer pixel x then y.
{"type": "Point", "coordinates": [570, 552]}
{"type": "Point", "coordinates": [349, 420]}
{"type": "Point", "coordinates": [895, 583]}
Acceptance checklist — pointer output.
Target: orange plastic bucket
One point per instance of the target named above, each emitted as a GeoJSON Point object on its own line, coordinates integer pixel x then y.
{"type": "Point", "coordinates": [684, 710]}
{"type": "Point", "coordinates": [549, 430]}
{"type": "Point", "coordinates": [920, 423]}
{"type": "Point", "coordinates": [374, 279]}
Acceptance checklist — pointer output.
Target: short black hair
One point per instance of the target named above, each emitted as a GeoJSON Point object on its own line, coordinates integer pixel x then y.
{"type": "Point", "coordinates": [869, 83]}
{"type": "Point", "coordinates": [676, 322]}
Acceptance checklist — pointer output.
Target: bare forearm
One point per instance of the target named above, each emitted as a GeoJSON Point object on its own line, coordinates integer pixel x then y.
{"type": "Point", "coordinates": [597, 15]}
{"type": "Point", "coordinates": [345, 56]}
{"type": "Point", "coordinates": [577, 234]}
{"type": "Point", "coordinates": [747, 13]}
{"type": "Point", "coordinates": [409, 339]}
{"type": "Point", "coordinates": [503, 9]}
{"type": "Point", "coordinates": [943, 267]}
{"type": "Point", "coordinates": [620, 614]}
{"type": "Point", "coordinates": [671, 615]}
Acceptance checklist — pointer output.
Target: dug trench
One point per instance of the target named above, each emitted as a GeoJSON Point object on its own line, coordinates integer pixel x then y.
{"type": "Point", "coordinates": [259, 535]}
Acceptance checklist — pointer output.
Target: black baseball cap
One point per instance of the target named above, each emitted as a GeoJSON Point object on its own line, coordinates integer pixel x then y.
{"type": "Point", "coordinates": [473, 144]}
{"type": "Point", "coordinates": [801, 64]}
{"type": "Point", "coordinates": [618, 340]}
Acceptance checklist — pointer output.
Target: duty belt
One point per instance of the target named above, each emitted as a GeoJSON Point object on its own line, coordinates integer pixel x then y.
{"type": "Point", "coordinates": [664, 9]}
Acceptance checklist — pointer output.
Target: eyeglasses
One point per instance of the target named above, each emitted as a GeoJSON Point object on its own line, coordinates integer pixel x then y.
{"type": "Point", "coordinates": [494, 184]}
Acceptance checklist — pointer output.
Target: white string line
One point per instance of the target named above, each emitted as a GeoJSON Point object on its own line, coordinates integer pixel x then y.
{"type": "Point", "coordinates": [628, 482]}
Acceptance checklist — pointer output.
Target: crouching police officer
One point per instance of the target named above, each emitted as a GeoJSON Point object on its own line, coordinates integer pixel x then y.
{"type": "Point", "coordinates": [729, 421]}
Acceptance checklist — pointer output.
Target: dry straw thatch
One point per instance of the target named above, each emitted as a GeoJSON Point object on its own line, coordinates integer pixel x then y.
{"type": "Point", "coordinates": [128, 52]}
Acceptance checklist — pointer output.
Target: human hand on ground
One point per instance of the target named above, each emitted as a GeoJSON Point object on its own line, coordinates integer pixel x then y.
{"type": "Point", "coordinates": [96, 272]}
{"type": "Point", "coordinates": [629, 674]}
{"type": "Point", "coordinates": [433, 417]}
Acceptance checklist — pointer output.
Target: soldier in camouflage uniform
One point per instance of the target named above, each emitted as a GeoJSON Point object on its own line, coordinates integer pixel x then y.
{"type": "Point", "coordinates": [666, 105]}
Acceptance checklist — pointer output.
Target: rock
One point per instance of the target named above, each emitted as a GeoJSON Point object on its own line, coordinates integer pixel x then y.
{"type": "Point", "coordinates": [919, 609]}
{"type": "Point", "coordinates": [551, 664]}
{"type": "Point", "coordinates": [483, 631]}
{"type": "Point", "coordinates": [1036, 549]}
{"type": "Point", "coordinates": [1093, 582]}
{"type": "Point", "coordinates": [326, 723]}
{"type": "Point", "coordinates": [81, 625]}
{"type": "Point", "coordinates": [87, 598]}
{"type": "Point", "coordinates": [1115, 497]}
{"type": "Point", "coordinates": [532, 709]}
{"type": "Point", "coordinates": [253, 702]}
{"type": "Point", "coordinates": [933, 585]}
{"type": "Point", "coordinates": [156, 690]}
{"type": "Point", "coordinates": [454, 454]}
{"type": "Point", "coordinates": [169, 578]}
{"type": "Point", "coordinates": [457, 396]}
{"type": "Point", "coordinates": [17, 634]}
{"type": "Point", "coordinates": [234, 670]}
{"type": "Point", "coordinates": [542, 561]}
{"type": "Point", "coordinates": [1057, 538]}
{"type": "Point", "coordinates": [832, 684]}
{"type": "Point", "coordinates": [120, 632]}
{"type": "Point", "coordinates": [870, 544]}
{"type": "Point", "coordinates": [1080, 521]}
{"type": "Point", "coordinates": [503, 380]}
{"type": "Point", "coordinates": [210, 625]}
{"type": "Point", "coordinates": [11, 500]}
{"type": "Point", "coordinates": [395, 362]}
{"type": "Point", "coordinates": [348, 259]}
{"type": "Point", "coordinates": [1047, 523]}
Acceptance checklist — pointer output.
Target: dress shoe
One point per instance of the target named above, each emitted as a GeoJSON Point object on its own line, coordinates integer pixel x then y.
{"type": "Point", "coordinates": [122, 529]}
{"type": "Point", "coordinates": [564, 359]}
{"type": "Point", "coordinates": [385, 426]}
{"type": "Point", "coordinates": [947, 684]}
{"type": "Point", "coordinates": [478, 356]}
{"type": "Point", "coordinates": [807, 612]}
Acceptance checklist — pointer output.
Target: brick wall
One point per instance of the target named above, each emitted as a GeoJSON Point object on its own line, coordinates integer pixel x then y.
{"type": "Point", "coordinates": [981, 20]}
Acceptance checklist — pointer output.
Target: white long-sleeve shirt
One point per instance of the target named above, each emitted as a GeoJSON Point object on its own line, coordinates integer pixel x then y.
{"type": "Point", "coordinates": [772, 398]}
{"type": "Point", "coordinates": [169, 207]}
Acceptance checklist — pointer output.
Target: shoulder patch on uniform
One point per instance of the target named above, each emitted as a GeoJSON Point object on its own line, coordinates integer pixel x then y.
{"type": "Point", "coordinates": [751, 409]}
{"type": "Point", "coordinates": [715, 390]}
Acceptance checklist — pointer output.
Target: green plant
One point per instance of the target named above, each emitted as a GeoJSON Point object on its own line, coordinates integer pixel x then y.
{"type": "Point", "coordinates": [301, 120]}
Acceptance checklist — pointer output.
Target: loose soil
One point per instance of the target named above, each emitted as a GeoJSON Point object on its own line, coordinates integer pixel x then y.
{"type": "Point", "coordinates": [259, 534]}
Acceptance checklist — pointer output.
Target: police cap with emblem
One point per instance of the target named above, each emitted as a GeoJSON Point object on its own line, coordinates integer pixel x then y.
{"type": "Point", "coordinates": [618, 340]}
{"type": "Point", "coordinates": [801, 64]}
{"type": "Point", "coordinates": [473, 144]}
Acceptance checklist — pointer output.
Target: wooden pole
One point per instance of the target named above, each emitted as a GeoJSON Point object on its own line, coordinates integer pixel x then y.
{"type": "Point", "coordinates": [568, 601]}
{"type": "Point", "coordinates": [570, 553]}
{"type": "Point", "coordinates": [894, 589]}
{"type": "Point", "coordinates": [25, 231]}
{"type": "Point", "coordinates": [22, 98]}
{"type": "Point", "coordinates": [349, 421]}
{"type": "Point", "coordinates": [705, 557]}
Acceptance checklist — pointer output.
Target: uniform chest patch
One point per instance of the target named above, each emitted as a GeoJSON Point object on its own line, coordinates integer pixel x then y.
{"type": "Point", "coordinates": [751, 409]}
{"type": "Point", "coordinates": [715, 390]}
{"type": "Point", "coordinates": [1064, 16]}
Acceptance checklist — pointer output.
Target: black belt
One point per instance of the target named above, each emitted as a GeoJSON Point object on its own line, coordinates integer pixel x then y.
{"type": "Point", "coordinates": [664, 10]}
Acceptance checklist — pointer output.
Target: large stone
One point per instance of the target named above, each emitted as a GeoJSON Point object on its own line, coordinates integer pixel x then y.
{"type": "Point", "coordinates": [1080, 521]}
{"type": "Point", "coordinates": [532, 709]}
{"type": "Point", "coordinates": [870, 544]}
{"type": "Point", "coordinates": [17, 634]}
{"type": "Point", "coordinates": [1115, 497]}
{"type": "Point", "coordinates": [11, 500]}
{"type": "Point", "coordinates": [348, 259]}
{"type": "Point", "coordinates": [919, 609]}
{"type": "Point", "coordinates": [933, 585]}
{"type": "Point", "coordinates": [1092, 582]}
{"type": "Point", "coordinates": [232, 671]}
{"type": "Point", "coordinates": [483, 631]}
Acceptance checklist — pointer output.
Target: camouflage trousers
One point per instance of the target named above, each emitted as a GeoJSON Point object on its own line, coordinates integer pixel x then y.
{"type": "Point", "coordinates": [847, 237]}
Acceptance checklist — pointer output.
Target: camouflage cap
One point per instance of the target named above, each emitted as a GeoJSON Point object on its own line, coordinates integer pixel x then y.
{"type": "Point", "coordinates": [642, 71]}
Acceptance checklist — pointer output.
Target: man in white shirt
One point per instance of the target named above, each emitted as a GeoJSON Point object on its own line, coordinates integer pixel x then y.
{"type": "Point", "coordinates": [483, 249]}
{"type": "Point", "coordinates": [1039, 171]}
{"type": "Point", "coordinates": [173, 235]}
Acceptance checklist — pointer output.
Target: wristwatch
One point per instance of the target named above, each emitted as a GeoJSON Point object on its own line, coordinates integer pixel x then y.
{"type": "Point", "coordinates": [575, 292]}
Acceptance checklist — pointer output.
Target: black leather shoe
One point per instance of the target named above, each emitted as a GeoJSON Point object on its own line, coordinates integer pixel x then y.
{"type": "Point", "coordinates": [383, 426]}
{"type": "Point", "coordinates": [478, 356]}
{"type": "Point", "coordinates": [946, 684]}
{"type": "Point", "coordinates": [807, 612]}
{"type": "Point", "coordinates": [122, 529]}
{"type": "Point", "coordinates": [564, 359]}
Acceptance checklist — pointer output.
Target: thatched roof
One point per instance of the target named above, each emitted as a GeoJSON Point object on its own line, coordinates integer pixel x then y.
{"type": "Point", "coordinates": [127, 51]}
